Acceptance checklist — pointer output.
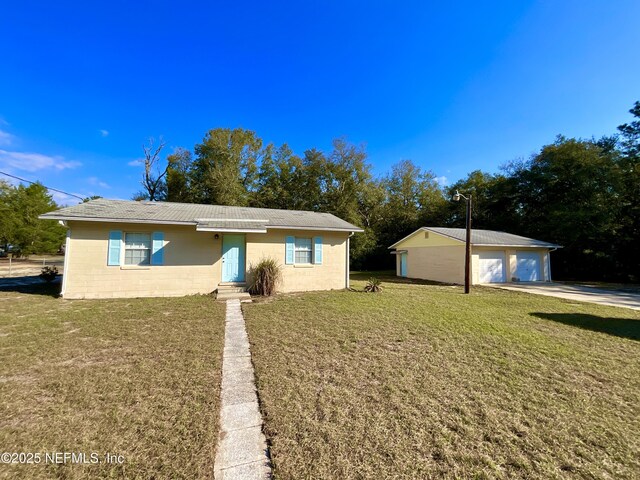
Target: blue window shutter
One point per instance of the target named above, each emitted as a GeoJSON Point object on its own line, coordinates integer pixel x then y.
{"type": "Point", "coordinates": [288, 258]}
{"type": "Point", "coordinates": [317, 250]}
{"type": "Point", "coordinates": [157, 248]}
{"type": "Point", "coordinates": [115, 244]}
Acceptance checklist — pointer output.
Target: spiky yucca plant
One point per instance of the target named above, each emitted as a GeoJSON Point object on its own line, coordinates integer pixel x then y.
{"type": "Point", "coordinates": [48, 274]}
{"type": "Point", "coordinates": [266, 275]}
{"type": "Point", "coordinates": [374, 285]}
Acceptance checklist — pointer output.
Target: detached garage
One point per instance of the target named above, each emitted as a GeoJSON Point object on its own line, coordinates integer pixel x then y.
{"type": "Point", "coordinates": [436, 253]}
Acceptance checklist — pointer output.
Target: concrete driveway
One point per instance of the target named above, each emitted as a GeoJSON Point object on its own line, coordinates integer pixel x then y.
{"type": "Point", "coordinates": [614, 298]}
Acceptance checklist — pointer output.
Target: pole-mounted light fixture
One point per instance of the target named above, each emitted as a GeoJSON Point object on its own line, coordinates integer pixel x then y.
{"type": "Point", "coordinates": [467, 257]}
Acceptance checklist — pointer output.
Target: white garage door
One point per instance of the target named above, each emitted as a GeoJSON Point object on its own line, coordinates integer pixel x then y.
{"type": "Point", "coordinates": [491, 267]}
{"type": "Point", "coordinates": [528, 266]}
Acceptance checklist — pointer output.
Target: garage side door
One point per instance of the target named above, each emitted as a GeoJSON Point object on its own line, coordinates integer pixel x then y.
{"type": "Point", "coordinates": [403, 264]}
{"type": "Point", "coordinates": [491, 267]}
{"type": "Point", "coordinates": [528, 266]}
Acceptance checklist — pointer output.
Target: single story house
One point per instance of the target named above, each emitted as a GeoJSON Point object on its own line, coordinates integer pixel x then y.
{"type": "Point", "coordinates": [117, 248]}
{"type": "Point", "coordinates": [436, 253]}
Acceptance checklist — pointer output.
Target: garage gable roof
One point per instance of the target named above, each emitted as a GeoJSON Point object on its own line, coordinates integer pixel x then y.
{"type": "Point", "coordinates": [205, 217]}
{"type": "Point", "coordinates": [484, 238]}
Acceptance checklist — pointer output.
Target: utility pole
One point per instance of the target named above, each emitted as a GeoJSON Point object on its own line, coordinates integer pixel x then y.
{"type": "Point", "coordinates": [467, 254]}
{"type": "Point", "coordinates": [467, 257]}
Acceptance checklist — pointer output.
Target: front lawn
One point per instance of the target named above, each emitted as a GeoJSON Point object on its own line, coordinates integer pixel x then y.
{"type": "Point", "coordinates": [422, 381]}
{"type": "Point", "coordinates": [137, 378]}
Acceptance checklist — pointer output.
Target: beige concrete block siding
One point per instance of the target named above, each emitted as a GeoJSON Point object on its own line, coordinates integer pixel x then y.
{"type": "Point", "coordinates": [330, 275]}
{"type": "Point", "coordinates": [433, 257]}
{"type": "Point", "coordinates": [439, 258]}
{"type": "Point", "coordinates": [192, 262]}
{"type": "Point", "coordinates": [441, 264]}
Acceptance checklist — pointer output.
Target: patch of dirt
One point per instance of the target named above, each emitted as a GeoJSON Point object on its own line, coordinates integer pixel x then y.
{"type": "Point", "coordinates": [80, 362]}
{"type": "Point", "coordinates": [25, 379]}
{"type": "Point", "coordinates": [262, 299]}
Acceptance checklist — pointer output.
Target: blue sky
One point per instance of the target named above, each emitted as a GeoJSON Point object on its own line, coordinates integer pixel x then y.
{"type": "Point", "coordinates": [453, 86]}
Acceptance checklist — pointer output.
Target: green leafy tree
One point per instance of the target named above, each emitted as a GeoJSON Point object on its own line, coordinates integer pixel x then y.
{"type": "Point", "coordinates": [365, 246]}
{"type": "Point", "coordinates": [19, 224]}
{"type": "Point", "coordinates": [315, 177]}
{"type": "Point", "coordinates": [629, 234]}
{"type": "Point", "coordinates": [568, 193]}
{"type": "Point", "coordinates": [630, 134]}
{"type": "Point", "coordinates": [280, 181]}
{"type": "Point", "coordinates": [224, 171]}
{"type": "Point", "coordinates": [7, 214]}
{"type": "Point", "coordinates": [412, 199]}
{"type": "Point", "coordinates": [494, 201]}
{"type": "Point", "coordinates": [179, 164]}
{"type": "Point", "coordinates": [344, 185]}
{"type": "Point", "coordinates": [345, 178]}
{"type": "Point", "coordinates": [413, 196]}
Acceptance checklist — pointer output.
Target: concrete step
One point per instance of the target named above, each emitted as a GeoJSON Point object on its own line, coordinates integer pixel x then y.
{"type": "Point", "coordinates": [231, 288]}
{"type": "Point", "coordinates": [222, 296]}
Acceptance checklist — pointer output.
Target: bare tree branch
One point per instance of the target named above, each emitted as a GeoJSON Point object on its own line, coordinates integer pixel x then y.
{"type": "Point", "coordinates": [153, 177]}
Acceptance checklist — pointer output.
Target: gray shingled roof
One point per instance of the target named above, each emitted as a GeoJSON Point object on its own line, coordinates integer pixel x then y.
{"type": "Point", "coordinates": [197, 214]}
{"type": "Point", "coordinates": [481, 238]}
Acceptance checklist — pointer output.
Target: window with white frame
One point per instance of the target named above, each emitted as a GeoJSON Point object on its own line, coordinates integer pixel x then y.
{"type": "Point", "coordinates": [137, 249]}
{"type": "Point", "coordinates": [303, 250]}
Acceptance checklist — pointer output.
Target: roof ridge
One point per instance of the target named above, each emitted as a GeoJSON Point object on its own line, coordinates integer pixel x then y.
{"type": "Point", "coordinates": [484, 237]}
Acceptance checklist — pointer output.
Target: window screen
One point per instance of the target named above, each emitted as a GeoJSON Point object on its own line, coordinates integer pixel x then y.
{"type": "Point", "coordinates": [304, 253]}
{"type": "Point", "coordinates": [137, 249]}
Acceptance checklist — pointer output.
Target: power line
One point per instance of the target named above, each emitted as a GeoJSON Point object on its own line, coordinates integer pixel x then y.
{"type": "Point", "coordinates": [48, 188]}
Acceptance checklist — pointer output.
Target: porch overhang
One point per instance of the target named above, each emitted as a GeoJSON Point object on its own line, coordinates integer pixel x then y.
{"type": "Point", "coordinates": [231, 226]}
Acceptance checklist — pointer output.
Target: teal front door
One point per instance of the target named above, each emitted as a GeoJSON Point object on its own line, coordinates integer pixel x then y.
{"type": "Point", "coordinates": [403, 265]}
{"type": "Point", "coordinates": [233, 258]}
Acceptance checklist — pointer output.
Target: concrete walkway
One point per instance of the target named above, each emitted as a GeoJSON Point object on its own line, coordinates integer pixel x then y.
{"type": "Point", "coordinates": [242, 448]}
{"type": "Point", "coordinates": [613, 298]}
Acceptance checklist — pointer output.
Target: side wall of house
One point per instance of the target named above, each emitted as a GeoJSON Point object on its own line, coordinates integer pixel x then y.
{"type": "Point", "coordinates": [191, 263]}
{"type": "Point", "coordinates": [330, 275]}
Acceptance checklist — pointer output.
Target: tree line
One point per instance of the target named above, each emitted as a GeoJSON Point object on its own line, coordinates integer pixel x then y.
{"type": "Point", "coordinates": [579, 193]}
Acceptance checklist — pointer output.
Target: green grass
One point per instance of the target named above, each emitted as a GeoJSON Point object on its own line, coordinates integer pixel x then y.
{"type": "Point", "coordinates": [137, 377]}
{"type": "Point", "coordinates": [422, 381]}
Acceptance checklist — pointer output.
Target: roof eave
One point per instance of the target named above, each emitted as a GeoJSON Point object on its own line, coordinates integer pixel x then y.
{"type": "Point", "coordinates": [328, 229]}
{"type": "Point", "coordinates": [403, 239]}
{"type": "Point", "coordinates": [424, 229]}
{"type": "Point", "coordinates": [510, 245]}
{"type": "Point", "coordinates": [171, 222]}
{"type": "Point", "coordinates": [114, 220]}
